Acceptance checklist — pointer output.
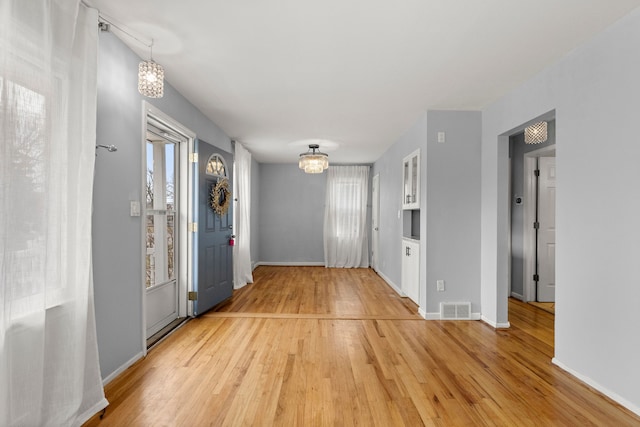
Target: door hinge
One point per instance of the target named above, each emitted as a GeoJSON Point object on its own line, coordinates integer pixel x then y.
{"type": "Point", "coordinates": [536, 278]}
{"type": "Point", "coordinates": [536, 172]}
{"type": "Point", "coordinates": [193, 296]}
{"type": "Point", "coordinates": [193, 227]}
{"type": "Point", "coordinates": [193, 157]}
{"type": "Point", "coordinates": [536, 225]}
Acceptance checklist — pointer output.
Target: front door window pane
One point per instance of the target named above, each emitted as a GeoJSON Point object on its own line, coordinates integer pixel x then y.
{"type": "Point", "coordinates": [161, 213]}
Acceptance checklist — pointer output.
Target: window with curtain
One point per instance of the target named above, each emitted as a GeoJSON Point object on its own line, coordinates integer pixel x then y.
{"type": "Point", "coordinates": [346, 243]}
{"type": "Point", "coordinates": [49, 372]}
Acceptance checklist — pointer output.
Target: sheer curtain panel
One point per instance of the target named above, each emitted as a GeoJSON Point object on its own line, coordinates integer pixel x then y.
{"type": "Point", "coordinates": [242, 249]}
{"type": "Point", "coordinates": [49, 372]}
{"type": "Point", "coordinates": [346, 242]}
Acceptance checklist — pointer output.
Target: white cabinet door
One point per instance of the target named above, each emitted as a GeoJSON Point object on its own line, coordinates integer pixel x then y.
{"type": "Point", "coordinates": [411, 269]}
{"type": "Point", "coordinates": [411, 181]}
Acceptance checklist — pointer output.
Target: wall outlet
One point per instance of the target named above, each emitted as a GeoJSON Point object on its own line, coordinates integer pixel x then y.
{"type": "Point", "coordinates": [441, 137]}
{"type": "Point", "coordinates": [440, 285]}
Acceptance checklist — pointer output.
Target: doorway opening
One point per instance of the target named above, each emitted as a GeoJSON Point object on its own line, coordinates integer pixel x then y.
{"type": "Point", "coordinates": [532, 214]}
{"type": "Point", "coordinates": [539, 242]}
{"type": "Point", "coordinates": [166, 201]}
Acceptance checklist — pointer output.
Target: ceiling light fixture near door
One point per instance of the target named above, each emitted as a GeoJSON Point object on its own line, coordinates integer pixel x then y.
{"type": "Point", "coordinates": [151, 77]}
{"type": "Point", "coordinates": [313, 161]}
{"type": "Point", "coordinates": [536, 133]}
{"type": "Point", "coordinates": [150, 73]}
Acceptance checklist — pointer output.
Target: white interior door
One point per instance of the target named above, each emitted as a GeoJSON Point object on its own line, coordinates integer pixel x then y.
{"type": "Point", "coordinates": [375, 219]}
{"type": "Point", "coordinates": [547, 230]}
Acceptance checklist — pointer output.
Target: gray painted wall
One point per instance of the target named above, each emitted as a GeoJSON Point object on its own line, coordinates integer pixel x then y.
{"type": "Point", "coordinates": [117, 241]}
{"type": "Point", "coordinates": [291, 215]}
{"type": "Point", "coordinates": [453, 208]}
{"type": "Point", "coordinates": [594, 91]}
{"type": "Point", "coordinates": [255, 212]}
{"type": "Point", "coordinates": [389, 166]}
{"type": "Point", "coordinates": [517, 150]}
{"type": "Point", "coordinates": [449, 206]}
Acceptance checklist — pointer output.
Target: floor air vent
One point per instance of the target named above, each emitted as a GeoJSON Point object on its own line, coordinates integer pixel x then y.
{"type": "Point", "coordinates": [455, 311]}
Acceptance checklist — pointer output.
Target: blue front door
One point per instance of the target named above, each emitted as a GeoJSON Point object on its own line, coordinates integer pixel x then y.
{"type": "Point", "coordinates": [214, 276]}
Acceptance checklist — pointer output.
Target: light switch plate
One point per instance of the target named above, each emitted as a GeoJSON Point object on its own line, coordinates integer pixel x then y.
{"type": "Point", "coordinates": [134, 208]}
{"type": "Point", "coordinates": [440, 285]}
{"type": "Point", "coordinates": [441, 137]}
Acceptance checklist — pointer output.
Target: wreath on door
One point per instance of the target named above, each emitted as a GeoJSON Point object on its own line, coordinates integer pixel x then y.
{"type": "Point", "coordinates": [221, 196]}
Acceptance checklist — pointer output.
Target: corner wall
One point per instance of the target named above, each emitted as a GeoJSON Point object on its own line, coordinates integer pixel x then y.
{"type": "Point", "coordinates": [453, 209]}
{"type": "Point", "coordinates": [389, 167]}
{"type": "Point", "coordinates": [594, 91]}
{"type": "Point", "coordinates": [291, 216]}
{"type": "Point", "coordinates": [117, 237]}
{"type": "Point", "coordinates": [255, 212]}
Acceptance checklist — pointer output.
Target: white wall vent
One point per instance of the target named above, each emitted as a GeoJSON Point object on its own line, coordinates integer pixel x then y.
{"type": "Point", "coordinates": [455, 311]}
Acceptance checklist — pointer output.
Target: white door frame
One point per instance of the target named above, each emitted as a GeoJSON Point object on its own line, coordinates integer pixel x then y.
{"type": "Point", "coordinates": [529, 236]}
{"type": "Point", "coordinates": [375, 220]}
{"type": "Point", "coordinates": [185, 210]}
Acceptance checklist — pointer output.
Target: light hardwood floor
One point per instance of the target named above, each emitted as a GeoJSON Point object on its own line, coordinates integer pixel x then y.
{"type": "Point", "coordinates": [310, 346]}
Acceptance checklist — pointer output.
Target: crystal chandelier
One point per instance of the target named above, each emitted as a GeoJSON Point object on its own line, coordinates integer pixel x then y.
{"type": "Point", "coordinates": [313, 161]}
{"type": "Point", "coordinates": [151, 77]}
{"type": "Point", "coordinates": [536, 133]}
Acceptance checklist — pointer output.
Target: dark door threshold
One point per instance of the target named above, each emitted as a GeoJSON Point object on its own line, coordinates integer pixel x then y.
{"type": "Point", "coordinates": [155, 338]}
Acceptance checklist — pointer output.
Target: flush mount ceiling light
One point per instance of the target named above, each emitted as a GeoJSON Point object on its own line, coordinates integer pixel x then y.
{"type": "Point", "coordinates": [151, 77]}
{"type": "Point", "coordinates": [536, 133]}
{"type": "Point", "coordinates": [313, 161]}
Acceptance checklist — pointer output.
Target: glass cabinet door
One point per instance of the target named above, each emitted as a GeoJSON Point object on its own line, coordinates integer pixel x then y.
{"type": "Point", "coordinates": [411, 181]}
{"type": "Point", "coordinates": [406, 194]}
{"type": "Point", "coordinates": [414, 178]}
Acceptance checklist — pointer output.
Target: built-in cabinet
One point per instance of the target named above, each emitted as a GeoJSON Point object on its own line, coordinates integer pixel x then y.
{"type": "Point", "coordinates": [411, 226]}
{"type": "Point", "coordinates": [411, 268]}
{"type": "Point", "coordinates": [411, 181]}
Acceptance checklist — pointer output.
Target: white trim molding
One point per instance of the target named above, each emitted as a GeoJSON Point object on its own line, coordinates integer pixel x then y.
{"type": "Point", "coordinates": [122, 368]}
{"type": "Point", "coordinates": [290, 263]}
{"type": "Point", "coordinates": [495, 325]}
{"type": "Point", "coordinates": [517, 296]}
{"type": "Point", "coordinates": [591, 383]}
{"type": "Point", "coordinates": [436, 316]}
{"type": "Point", "coordinates": [396, 288]}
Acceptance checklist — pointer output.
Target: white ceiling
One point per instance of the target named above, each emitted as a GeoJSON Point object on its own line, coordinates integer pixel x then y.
{"type": "Point", "coordinates": [357, 72]}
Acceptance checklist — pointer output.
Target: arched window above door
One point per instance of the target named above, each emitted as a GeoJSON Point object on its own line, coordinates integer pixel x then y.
{"type": "Point", "coordinates": [216, 166]}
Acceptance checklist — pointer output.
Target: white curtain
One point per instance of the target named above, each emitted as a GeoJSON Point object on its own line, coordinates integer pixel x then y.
{"type": "Point", "coordinates": [242, 249]}
{"type": "Point", "coordinates": [49, 371]}
{"type": "Point", "coordinates": [345, 217]}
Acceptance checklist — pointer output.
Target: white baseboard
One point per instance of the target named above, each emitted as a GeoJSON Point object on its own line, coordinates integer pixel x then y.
{"type": "Point", "coordinates": [291, 263]}
{"type": "Point", "coordinates": [393, 285]}
{"type": "Point", "coordinates": [422, 313]}
{"type": "Point", "coordinates": [235, 288]}
{"type": "Point", "coordinates": [495, 325]}
{"type": "Point", "coordinates": [614, 396]}
{"type": "Point", "coordinates": [436, 316]}
{"type": "Point", "coordinates": [517, 296]}
{"type": "Point", "coordinates": [122, 368]}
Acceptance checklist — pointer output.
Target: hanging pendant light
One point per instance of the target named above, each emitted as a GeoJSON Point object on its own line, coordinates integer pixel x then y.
{"type": "Point", "coordinates": [151, 77]}
{"type": "Point", "coordinates": [536, 133]}
{"type": "Point", "coordinates": [313, 161]}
